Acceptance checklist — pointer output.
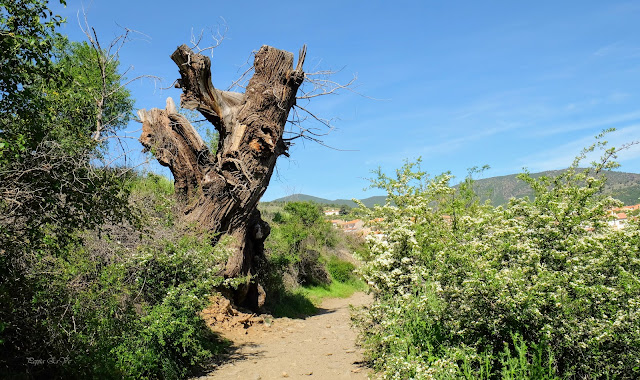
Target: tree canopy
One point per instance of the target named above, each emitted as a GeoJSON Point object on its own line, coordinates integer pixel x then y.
{"type": "Point", "coordinates": [52, 94]}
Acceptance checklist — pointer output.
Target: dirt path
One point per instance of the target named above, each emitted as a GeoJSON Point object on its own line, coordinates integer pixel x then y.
{"type": "Point", "coordinates": [319, 347]}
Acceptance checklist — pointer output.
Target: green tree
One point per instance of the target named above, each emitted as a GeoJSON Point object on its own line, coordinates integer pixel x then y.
{"type": "Point", "coordinates": [96, 93]}
{"type": "Point", "coordinates": [28, 34]}
{"type": "Point", "coordinates": [49, 182]}
{"type": "Point", "coordinates": [52, 97]}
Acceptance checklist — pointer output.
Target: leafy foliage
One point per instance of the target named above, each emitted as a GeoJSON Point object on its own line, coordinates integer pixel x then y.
{"type": "Point", "coordinates": [116, 304]}
{"type": "Point", "coordinates": [340, 270]}
{"type": "Point", "coordinates": [95, 94]}
{"type": "Point", "coordinates": [47, 130]}
{"type": "Point", "coordinates": [81, 288]}
{"type": "Point", "coordinates": [26, 39]}
{"type": "Point", "coordinates": [26, 66]}
{"type": "Point", "coordinates": [302, 264]}
{"type": "Point", "coordinates": [299, 234]}
{"type": "Point", "coordinates": [540, 288]}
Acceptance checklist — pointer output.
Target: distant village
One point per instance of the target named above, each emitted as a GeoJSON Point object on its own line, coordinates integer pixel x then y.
{"type": "Point", "coordinates": [619, 217]}
{"type": "Point", "coordinates": [356, 226]}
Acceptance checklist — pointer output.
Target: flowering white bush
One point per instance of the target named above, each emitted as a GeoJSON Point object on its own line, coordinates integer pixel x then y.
{"type": "Point", "coordinates": [539, 288]}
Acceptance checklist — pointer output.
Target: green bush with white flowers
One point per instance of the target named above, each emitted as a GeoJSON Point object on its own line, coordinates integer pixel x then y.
{"type": "Point", "coordinates": [539, 288]}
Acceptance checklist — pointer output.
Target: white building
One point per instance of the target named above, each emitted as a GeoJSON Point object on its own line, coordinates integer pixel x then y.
{"type": "Point", "coordinates": [331, 212]}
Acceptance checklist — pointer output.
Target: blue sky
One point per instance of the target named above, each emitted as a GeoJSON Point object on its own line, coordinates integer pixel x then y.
{"type": "Point", "coordinates": [458, 83]}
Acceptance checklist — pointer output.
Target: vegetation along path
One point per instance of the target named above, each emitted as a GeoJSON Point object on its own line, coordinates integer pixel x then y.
{"type": "Point", "coordinates": [319, 347]}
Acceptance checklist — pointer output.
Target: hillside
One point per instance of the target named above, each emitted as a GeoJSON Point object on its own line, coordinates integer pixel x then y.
{"type": "Point", "coordinates": [369, 202]}
{"type": "Point", "coordinates": [620, 185]}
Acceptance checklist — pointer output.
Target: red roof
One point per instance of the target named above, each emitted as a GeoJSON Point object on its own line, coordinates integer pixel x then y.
{"type": "Point", "coordinates": [632, 207]}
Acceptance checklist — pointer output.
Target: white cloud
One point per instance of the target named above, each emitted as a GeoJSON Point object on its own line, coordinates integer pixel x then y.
{"type": "Point", "coordinates": [602, 123]}
{"type": "Point", "coordinates": [607, 49]}
{"type": "Point", "coordinates": [562, 156]}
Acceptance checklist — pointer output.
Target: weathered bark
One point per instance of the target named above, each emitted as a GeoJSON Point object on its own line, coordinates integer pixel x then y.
{"type": "Point", "coordinates": [220, 192]}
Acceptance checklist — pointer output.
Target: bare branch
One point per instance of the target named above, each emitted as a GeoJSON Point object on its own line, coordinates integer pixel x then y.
{"type": "Point", "coordinates": [242, 78]}
{"type": "Point", "coordinates": [318, 141]}
{"type": "Point", "coordinates": [323, 85]}
{"type": "Point", "coordinates": [129, 81]}
{"type": "Point", "coordinates": [111, 83]}
{"type": "Point", "coordinates": [325, 122]}
{"type": "Point", "coordinates": [217, 36]}
{"type": "Point", "coordinates": [316, 84]}
{"type": "Point", "coordinates": [173, 84]}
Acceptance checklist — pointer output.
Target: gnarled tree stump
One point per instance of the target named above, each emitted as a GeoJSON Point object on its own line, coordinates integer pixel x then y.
{"type": "Point", "coordinates": [221, 192]}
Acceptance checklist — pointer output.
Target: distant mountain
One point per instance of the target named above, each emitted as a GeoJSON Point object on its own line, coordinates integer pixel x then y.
{"type": "Point", "coordinates": [620, 185]}
{"type": "Point", "coordinates": [302, 198]}
{"type": "Point", "coordinates": [369, 202]}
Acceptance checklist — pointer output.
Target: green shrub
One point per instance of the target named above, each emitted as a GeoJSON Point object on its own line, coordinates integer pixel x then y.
{"type": "Point", "coordinates": [539, 288]}
{"type": "Point", "coordinates": [169, 340]}
{"type": "Point", "coordinates": [341, 270]}
{"type": "Point", "coordinates": [153, 196]}
{"type": "Point", "coordinates": [299, 238]}
{"type": "Point", "coordinates": [301, 266]}
{"type": "Point", "coordinates": [137, 315]}
{"type": "Point", "coordinates": [117, 304]}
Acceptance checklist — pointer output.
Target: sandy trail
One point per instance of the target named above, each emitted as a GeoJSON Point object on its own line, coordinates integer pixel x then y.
{"type": "Point", "coordinates": [318, 347]}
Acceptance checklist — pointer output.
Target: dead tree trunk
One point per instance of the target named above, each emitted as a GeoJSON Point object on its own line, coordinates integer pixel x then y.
{"type": "Point", "coordinates": [220, 192]}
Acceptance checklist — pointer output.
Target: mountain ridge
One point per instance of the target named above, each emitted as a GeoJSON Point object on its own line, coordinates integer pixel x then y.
{"type": "Point", "coordinates": [369, 202]}
{"type": "Point", "coordinates": [620, 185]}
{"type": "Point", "coordinates": [499, 189]}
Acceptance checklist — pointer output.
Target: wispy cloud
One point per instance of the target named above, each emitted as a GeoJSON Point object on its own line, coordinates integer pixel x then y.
{"type": "Point", "coordinates": [607, 49]}
{"type": "Point", "coordinates": [601, 123]}
{"type": "Point", "coordinates": [444, 147]}
{"type": "Point", "coordinates": [617, 49]}
{"type": "Point", "coordinates": [562, 156]}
